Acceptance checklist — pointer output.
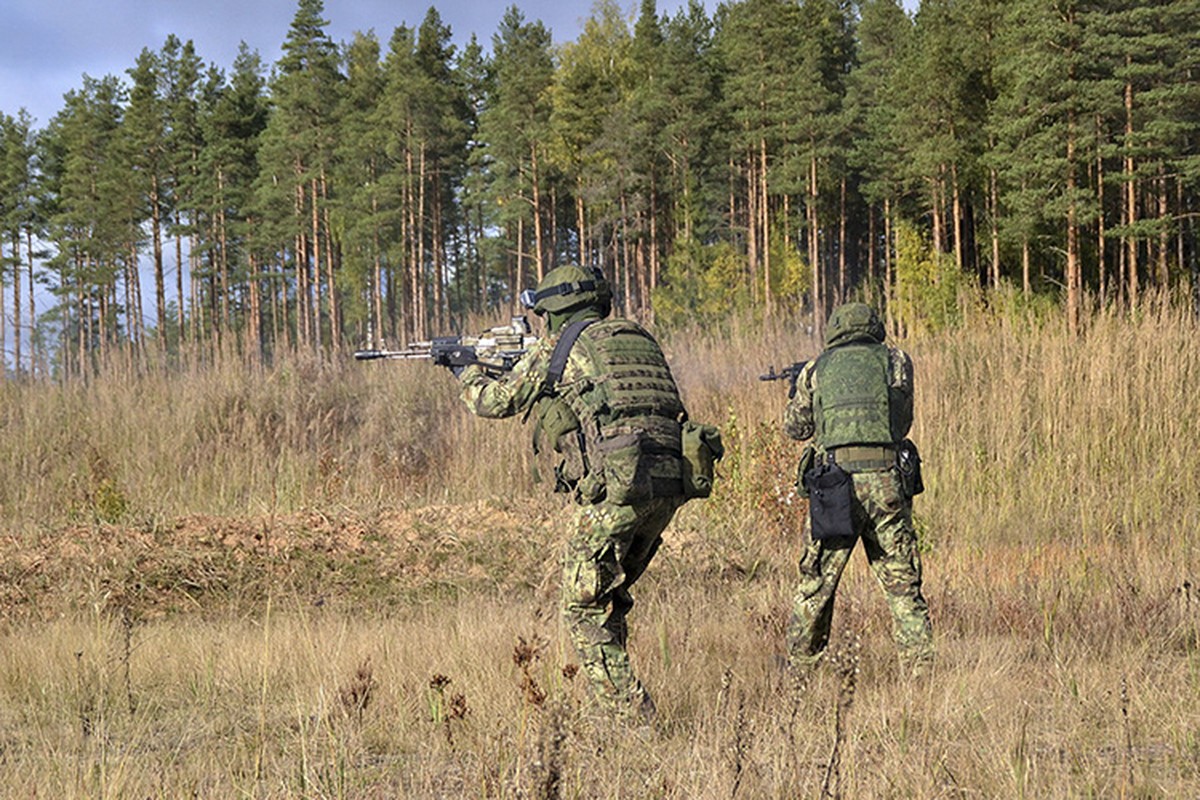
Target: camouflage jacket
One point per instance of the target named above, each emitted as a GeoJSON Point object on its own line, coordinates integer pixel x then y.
{"type": "Point", "coordinates": [515, 391]}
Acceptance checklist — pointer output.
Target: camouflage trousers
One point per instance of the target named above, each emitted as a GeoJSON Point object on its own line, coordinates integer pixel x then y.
{"type": "Point", "coordinates": [882, 518]}
{"type": "Point", "coordinates": [609, 549]}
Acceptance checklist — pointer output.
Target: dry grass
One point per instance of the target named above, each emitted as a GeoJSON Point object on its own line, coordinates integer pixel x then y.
{"type": "Point", "coordinates": [332, 582]}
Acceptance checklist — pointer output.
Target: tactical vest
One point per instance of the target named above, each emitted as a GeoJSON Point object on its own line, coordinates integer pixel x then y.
{"type": "Point", "coordinates": [851, 396]}
{"type": "Point", "coordinates": [621, 439]}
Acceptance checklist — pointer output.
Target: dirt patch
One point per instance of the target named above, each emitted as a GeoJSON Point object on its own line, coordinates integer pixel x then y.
{"type": "Point", "coordinates": [200, 563]}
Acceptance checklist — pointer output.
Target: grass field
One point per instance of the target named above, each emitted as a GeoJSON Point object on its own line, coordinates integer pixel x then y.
{"type": "Point", "coordinates": [323, 580]}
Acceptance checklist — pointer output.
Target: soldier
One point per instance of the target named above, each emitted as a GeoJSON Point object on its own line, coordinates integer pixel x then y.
{"type": "Point", "coordinates": [855, 402]}
{"type": "Point", "coordinates": [604, 399]}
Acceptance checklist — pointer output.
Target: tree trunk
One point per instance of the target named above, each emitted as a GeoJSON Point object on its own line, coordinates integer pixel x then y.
{"type": "Point", "coordinates": [814, 256]}
{"type": "Point", "coordinates": [315, 232]}
{"type": "Point", "coordinates": [871, 256]}
{"type": "Point", "coordinates": [1130, 198]}
{"type": "Point", "coordinates": [1164, 234]}
{"type": "Point", "coordinates": [181, 318]}
{"type": "Point", "coordinates": [16, 262]}
{"type": "Point", "coordinates": [752, 217]}
{"type": "Point", "coordinates": [537, 213]}
{"type": "Point", "coordinates": [842, 240]}
{"type": "Point", "coordinates": [521, 280]}
{"type": "Point", "coordinates": [765, 225]}
{"type": "Point", "coordinates": [956, 209]}
{"type": "Point", "coordinates": [160, 291]}
{"type": "Point", "coordinates": [994, 225]}
{"type": "Point", "coordinates": [422, 289]}
{"type": "Point", "coordinates": [887, 263]}
{"type": "Point", "coordinates": [581, 222]}
{"type": "Point", "coordinates": [1101, 253]}
{"type": "Point", "coordinates": [33, 366]}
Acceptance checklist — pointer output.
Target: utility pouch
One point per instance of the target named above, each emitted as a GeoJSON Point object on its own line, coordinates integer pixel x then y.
{"type": "Point", "coordinates": [830, 495]}
{"type": "Point", "coordinates": [556, 420]}
{"type": "Point", "coordinates": [627, 476]}
{"type": "Point", "coordinates": [702, 447]}
{"type": "Point", "coordinates": [806, 461]}
{"type": "Point", "coordinates": [908, 464]}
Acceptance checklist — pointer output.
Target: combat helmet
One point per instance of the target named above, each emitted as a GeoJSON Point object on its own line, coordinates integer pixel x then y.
{"type": "Point", "coordinates": [854, 321]}
{"type": "Point", "coordinates": [569, 288]}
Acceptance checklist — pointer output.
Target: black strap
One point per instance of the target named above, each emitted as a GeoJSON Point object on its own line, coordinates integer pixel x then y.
{"type": "Point", "coordinates": [562, 349]}
{"type": "Point", "coordinates": [566, 288]}
{"type": "Point", "coordinates": [558, 363]}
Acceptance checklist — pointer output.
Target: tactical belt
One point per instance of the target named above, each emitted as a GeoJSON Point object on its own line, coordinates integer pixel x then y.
{"type": "Point", "coordinates": [858, 458]}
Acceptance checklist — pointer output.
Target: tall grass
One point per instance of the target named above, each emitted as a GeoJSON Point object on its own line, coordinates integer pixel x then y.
{"type": "Point", "coordinates": [371, 577]}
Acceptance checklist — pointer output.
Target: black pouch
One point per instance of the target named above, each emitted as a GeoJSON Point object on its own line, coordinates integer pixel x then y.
{"type": "Point", "coordinates": [908, 464]}
{"type": "Point", "coordinates": [830, 496]}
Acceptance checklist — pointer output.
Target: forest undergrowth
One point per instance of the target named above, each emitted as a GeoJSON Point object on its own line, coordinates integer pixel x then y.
{"type": "Point", "coordinates": [329, 580]}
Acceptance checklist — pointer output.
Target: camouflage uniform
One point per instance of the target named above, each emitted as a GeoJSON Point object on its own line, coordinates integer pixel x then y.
{"type": "Point", "coordinates": [881, 513]}
{"type": "Point", "coordinates": [610, 545]}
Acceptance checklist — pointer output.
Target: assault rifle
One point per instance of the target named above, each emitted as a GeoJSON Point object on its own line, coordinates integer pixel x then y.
{"type": "Point", "coordinates": [496, 350]}
{"type": "Point", "coordinates": [790, 374]}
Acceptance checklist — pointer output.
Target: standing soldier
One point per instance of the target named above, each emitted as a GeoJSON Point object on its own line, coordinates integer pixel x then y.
{"type": "Point", "coordinates": [855, 402]}
{"type": "Point", "coordinates": [603, 398]}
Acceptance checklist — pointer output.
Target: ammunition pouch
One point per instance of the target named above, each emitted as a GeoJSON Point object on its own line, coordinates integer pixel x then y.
{"type": "Point", "coordinates": [555, 419]}
{"type": "Point", "coordinates": [556, 422]}
{"type": "Point", "coordinates": [702, 447]}
{"type": "Point", "coordinates": [830, 501]}
{"type": "Point", "coordinates": [908, 464]}
{"type": "Point", "coordinates": [625, 468]}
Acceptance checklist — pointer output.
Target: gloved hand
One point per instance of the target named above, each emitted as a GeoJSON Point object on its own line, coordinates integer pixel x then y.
{"type": "Point", "coordinates": [456, 359]}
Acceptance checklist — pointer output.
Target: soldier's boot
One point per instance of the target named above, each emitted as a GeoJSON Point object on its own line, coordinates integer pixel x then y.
{"type": "Point", "coordinates": [914, 642]}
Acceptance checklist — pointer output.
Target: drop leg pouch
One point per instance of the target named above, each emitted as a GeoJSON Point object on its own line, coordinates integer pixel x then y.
{"type": "Point", "coordinates": [830, 496]}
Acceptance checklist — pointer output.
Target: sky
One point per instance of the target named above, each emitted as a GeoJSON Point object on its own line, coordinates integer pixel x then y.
{"type": "Point", "coordinates": [48, 45]}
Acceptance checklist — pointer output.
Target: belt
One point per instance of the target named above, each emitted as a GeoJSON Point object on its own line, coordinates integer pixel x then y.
{"type": "Point", "coordinates": [860, 458]}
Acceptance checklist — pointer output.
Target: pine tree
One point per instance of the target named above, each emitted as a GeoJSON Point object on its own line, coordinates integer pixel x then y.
{"type": "Point", "coordinates": [873, 119]}
{"type": "Point", "coordinates": [297, 154]}
{"type": "Point", "coordinates": [515, 127]}
{"type": "Point", "coordinates": [1042, 132]}
{"type": "Point", "coordinates": [233, 119]}
{"type": "Point", "coordinates": [181, 69]}
{"type": "Point", "coordinates": [356, 211]}
{"type": "Point", "coordinates": [394, 118]}
{"type": "Point", "coordinates": [442, 125]}
{"type": "Point", "coordinates": [87, 227]}
{"type": "Point", "coordinates": [18, 221]}
{"type": "Point", "coordinates": [145, 126]}
{"type": "Point", "coordinates": [476, 285]}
